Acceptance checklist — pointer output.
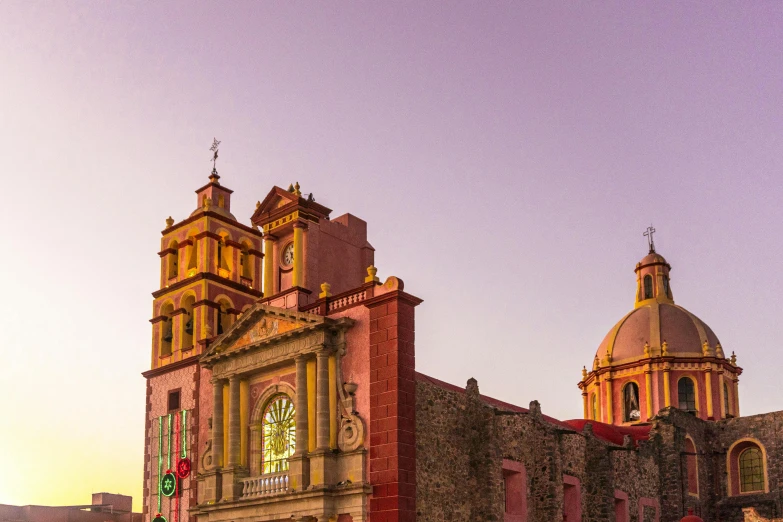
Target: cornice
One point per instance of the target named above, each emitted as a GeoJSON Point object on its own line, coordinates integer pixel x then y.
{"type": "Point", "coordinates": [209, 213]}
{"type": "Point", "coordinates": [209, 276]}
{"type": "Point", "coordinates": [193, 359]}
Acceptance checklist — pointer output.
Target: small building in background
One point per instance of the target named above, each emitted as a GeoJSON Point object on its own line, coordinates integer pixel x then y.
{"type": "Point", "coordinates": [105, 507]}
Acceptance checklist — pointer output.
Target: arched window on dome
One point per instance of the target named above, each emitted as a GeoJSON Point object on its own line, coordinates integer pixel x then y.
{"type": "Point", "coordinates": [648, 287]}
{"type": "Point", "coordinates": [278, 432]}
{"type": "Point", "coordinates": [594, 407]}
{"type": "Point", "coordinates": [686, 394]}
{"type": "Point", "coordinates": [751, 470]}
{"type": "Point", "coordinates": [631, 412]}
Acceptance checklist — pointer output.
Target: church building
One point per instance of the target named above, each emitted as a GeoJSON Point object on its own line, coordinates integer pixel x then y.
{"type": "Point", "coordinates": [283, 386]}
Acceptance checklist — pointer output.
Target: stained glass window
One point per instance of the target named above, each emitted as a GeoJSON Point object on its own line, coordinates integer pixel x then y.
{"type": "Point", "coordinates": [279, 434]}
{"type": "Point", "coordinates": [686, 394]}
{"type": "Point", "coordinates": [751, 470]}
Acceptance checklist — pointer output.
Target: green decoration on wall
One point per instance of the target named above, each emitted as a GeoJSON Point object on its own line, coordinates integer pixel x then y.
{"type": "Point", "coordinates": [168, 484]}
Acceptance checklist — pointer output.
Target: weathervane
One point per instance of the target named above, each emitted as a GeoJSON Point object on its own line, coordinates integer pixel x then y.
{"type": "Point", "coordinates": [650, 242]}
{"type": "Point", "coordinates": [214, 148]}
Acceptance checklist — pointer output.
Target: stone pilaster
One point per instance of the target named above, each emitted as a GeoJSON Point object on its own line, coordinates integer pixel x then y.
{"type": "Point", "coordinates": [299, 464]}
{"type": "Point", "coordinates": [217, 423]}
{"type": "Point", "coordinates": [322, 401]}
{"type": "Point", "coordinates": [233, 422]}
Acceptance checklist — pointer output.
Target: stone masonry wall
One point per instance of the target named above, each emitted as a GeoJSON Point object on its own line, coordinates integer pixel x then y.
{"type": "Point", "coordinates": [461, 442]}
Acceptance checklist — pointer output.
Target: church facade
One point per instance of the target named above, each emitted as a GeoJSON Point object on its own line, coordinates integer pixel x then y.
{"type": "Point", "coordinates": [283, 386]}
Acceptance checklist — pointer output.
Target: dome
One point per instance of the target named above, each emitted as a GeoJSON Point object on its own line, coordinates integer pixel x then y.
{"type": "Point", "coordinates": [656, 320]}
{"type": "Point", "coordinates": [651, 324]}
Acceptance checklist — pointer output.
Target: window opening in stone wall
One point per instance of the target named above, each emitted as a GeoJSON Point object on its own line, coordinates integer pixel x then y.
{"type": "Point", "coordinates": [648, 287]}
{"type": "Point", "coordinates": [572, 500]}
{"type": "Point", "coordinates": [621, 509]}
{"type": "Point", "coordinates": [244, 262]}
{"type": "Point", "coordinates": [666, 286]}
{"type": "Point", "coordinates": [174, 400]}
{"type": "Point", "coordinates": [514, 492]}
{"type": "Point", "coordinates": [173, 260]}
{"type": "Point", "coordinates": [686, 394]}
{"type": "Point", "coordinates": [631, 412]}
{"type": "Point", "coordinates": [751, 468]}
{"type": "Point", "coordinates": [691, 467]}
{"type": "Point", "coordinates": [279, 434]}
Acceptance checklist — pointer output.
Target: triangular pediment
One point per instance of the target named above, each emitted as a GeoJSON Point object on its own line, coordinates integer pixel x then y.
{"type": "Point", "coordinates": [262, 325]}
{"type": "Point", "coordinates": [276, 198]}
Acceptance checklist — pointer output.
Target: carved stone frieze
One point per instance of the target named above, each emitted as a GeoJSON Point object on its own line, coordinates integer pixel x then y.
{"type": "Point", "coordinates": [270, 354]}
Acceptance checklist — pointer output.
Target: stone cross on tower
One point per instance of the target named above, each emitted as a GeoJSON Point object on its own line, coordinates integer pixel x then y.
{"type": "Point", "coordinates": [650, 242]}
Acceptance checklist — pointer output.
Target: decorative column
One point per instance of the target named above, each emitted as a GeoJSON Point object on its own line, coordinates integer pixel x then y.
{"type": "Point", "coordinates": [217, 423]}
{"type": "Point", "coordinates": [299, 228]}
{"type": "Point", "coordinates": [269, 245]}
{"type": "Point", "coordinates": [299, 464]}
{"type": "Point", "coordinates": [233, 422]}
{"type": "Point", "coordinates": [667, 390]}
{"type": "Point", "coordinates": [322, 401]}
{"type": "Point", "coordinates": [609, 417]}
{"type": "Point", "coordinates": [736, 397]}
{"type": "Point", "coordinates": [708, 390]}
{"type": "Point", "coordinates": [721, 393]}
{"type": "Point", "coordinates": [584, 403]}
{"type": "Point", "coordinates": [648, 391]}
{"type": "Point", "coordinates": [322, 465]}
{"type": "Point", "coordinates": [302, 431]}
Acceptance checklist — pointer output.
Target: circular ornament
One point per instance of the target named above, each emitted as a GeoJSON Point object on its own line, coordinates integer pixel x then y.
{"type": "Point", "coordinates": [168, 484]}
{"type": "Point", "coordinates": [159, 518]}
{"type": "Point", "coordinates": [183, 467]}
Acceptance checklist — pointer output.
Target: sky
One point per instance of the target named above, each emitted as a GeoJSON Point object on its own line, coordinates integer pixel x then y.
{"type": "Point", "coordinates": [507, 157]}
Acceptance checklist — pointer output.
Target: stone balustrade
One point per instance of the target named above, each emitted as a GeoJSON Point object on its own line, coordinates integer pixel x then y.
{"type": "Point", "coordinates": [267, 484]}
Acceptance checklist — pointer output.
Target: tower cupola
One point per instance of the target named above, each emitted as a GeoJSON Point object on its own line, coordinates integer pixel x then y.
{"type": "Point", "coordinates": [652, 276]}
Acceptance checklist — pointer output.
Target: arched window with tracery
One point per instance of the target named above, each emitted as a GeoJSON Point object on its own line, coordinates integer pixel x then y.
{"type": "Point", "coordinates": [648, 287]}
{"type": "Point", "coordinates": [278, 432]}
{"type": "Point", "coordinates": [751, 470]}
{"type": "Point", "coordinates": [747, 467]}
{"type": "Point", "coordinates": [686, 394]}
{"type": "Point", "coordinates": [631, 411]}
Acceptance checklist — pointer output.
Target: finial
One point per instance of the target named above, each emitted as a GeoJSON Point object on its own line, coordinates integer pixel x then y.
{"type": "Point", "coordinates": [169, 222]}
{"type": "Point", "coordinates": [207, 202]}
{"type": "Point", "coordinates": [297, 192]}
{"type": "Point", "coordinates": [665, 349]}
{"type": "Point", "coordinates": [291, 187]}
{"type": "Point", "coordinates": [311, 198]}
{"type": "Point", "coordinates": [719, 351]}
{"type": "Point", "coordinates": [258, 205]}
{"type": "Point", "coordinates": [584, 373]}
{"type": "Point", "coordinates": [325, 290]}
{"type": "Point", "coordinates": [650, 242]}
{"type": "Point", "coordinates": [371, 277]}
{"type": "Point", "coordinates": [596, 363]}
{"type": "Point", "coordinates": [705, 348]}
{"type": "Point", "coordinates": [733, 359]}
{"type": "Point", "coordinates": [214, 148]}
{"type": "Point", "coordinates": [646, 349]}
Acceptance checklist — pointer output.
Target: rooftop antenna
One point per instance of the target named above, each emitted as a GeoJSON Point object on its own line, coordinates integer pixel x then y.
{"type": "Point", "coordinates": [650, 241]}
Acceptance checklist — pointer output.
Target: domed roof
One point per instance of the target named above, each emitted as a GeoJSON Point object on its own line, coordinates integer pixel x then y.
{"type": "Point", "coordinates": [656, 324]}
{"type": "Point", "coordinates": [651, 324]}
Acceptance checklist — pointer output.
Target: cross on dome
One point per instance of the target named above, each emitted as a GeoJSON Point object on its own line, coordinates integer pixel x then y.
{"type": "Point", "coordinates": [650, 241]}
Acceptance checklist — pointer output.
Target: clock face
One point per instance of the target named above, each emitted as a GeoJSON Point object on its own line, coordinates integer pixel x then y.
{"type": "Point", "coordinates": [288, 254]}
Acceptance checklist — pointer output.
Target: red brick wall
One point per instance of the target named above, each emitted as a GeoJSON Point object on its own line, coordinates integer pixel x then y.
{"type": "Point", "coordinates": [392, 408]}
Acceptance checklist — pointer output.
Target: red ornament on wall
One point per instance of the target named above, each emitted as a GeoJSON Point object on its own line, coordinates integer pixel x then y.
{"type": "Point", "coordinates": [183, 467]}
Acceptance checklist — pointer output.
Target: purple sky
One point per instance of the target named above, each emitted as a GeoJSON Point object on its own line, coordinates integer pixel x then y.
{"type": "Point", "coordinates": [507, 158]}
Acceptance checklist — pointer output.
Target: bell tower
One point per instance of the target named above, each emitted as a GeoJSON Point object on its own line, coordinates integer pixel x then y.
{"type": "Point", "coordinates": [210, 271]}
